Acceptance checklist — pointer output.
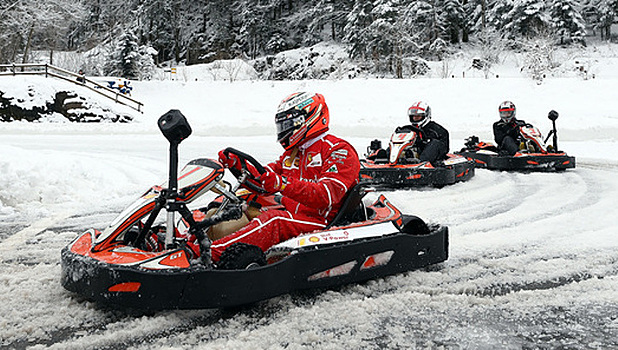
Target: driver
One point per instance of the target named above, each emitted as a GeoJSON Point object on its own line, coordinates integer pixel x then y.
{"type": "Point", "coordinates": [506, 130]}
{"type": "Point", "coordinates": [312, 175]}
{"type": "Point", "coordinates": [433, 139]}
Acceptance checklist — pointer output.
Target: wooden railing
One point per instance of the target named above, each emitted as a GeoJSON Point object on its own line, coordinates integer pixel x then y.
{"type": "Point", "coordinates": [78, 79]}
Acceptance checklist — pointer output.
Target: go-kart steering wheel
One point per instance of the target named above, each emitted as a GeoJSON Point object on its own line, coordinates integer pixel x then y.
{"type": "Point", "coordinates": [244, 158]}
{"type": "Point", "coordinates": [417, 130]}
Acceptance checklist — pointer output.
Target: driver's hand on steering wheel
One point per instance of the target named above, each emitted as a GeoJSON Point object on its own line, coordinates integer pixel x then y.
{"type": "Point", "coordinates": [272, 182]}
{"type": "Point", "coordinates": [230, 160]}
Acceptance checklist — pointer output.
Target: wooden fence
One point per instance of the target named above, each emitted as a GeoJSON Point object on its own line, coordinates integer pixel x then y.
{"type": "Point", "coordinates": [78, 79]}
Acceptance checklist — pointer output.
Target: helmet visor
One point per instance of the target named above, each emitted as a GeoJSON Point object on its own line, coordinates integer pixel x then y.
{"type": "Point", "coordinates": [288, 120]}
{"type": "Point", "coordinates": [506, 114]}
{"type": "Point", "coordinates": [416, 116]}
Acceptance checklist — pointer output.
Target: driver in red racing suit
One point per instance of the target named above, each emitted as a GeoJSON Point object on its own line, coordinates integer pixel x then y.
{"type": "Point", "coordinates": [313, 176]}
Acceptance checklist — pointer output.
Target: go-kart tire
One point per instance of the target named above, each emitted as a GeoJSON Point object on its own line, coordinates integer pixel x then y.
{"type": "Point", "coordinates": [241, 256]}
{"type": "Point", "coordinates": [414, 225]}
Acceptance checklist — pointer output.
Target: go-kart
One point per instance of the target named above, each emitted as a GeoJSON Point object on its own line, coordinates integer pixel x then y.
{"type": "Point", "coordinates": [119, 266]}
{"type": "Point", "coordinates": [534, 154]}
{"type": "Point", "coordinates": [398, 166]}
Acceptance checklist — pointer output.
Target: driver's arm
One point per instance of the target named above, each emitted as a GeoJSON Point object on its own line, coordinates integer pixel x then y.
{"type": "Point", "coordinates": [499, 133]}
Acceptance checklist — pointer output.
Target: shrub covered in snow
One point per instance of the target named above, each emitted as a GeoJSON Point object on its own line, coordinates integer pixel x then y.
{"type": "Point", "coordinates": [321, 61]}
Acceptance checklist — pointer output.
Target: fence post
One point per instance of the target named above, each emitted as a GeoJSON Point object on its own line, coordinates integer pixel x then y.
{"type": "Point", "coordinates": [13, 68]}
{"type": "Point", "coordinates": [45, 70]}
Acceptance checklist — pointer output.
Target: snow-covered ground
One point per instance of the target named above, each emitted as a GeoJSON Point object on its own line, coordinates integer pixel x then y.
{"type": "Point", "coordinates": [533, 257]}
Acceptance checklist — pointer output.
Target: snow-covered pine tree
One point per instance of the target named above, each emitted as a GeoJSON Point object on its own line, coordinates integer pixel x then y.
{"type": "Point", "coordinates": [425, 24]}
{"type": "Point", "coordinates": [601, 14]}
{"type": "Point", "coordinates": [217, 34]}
{"type": "Point", "coordinates": [567, 21]}
{"type": "Point", "coordinates": [29, 25]}
{"type": "Point", "coordinates": [357, 22]}
{"type": "Point", "coordinates": [254, 28]}
{"type": "Point", "coordinates": [527, 19]}
{"type": "Point", "coordinates": [454, 18]}
{"type": "Point", "coordinates": [476, 16]}
{"type": "Point", "coordinates": [124, 59]}
{"type": "Point", "coordinates": [159, 26]}
{"type": "Point", "coordinates": [145, 64]}
{"type": "Point", "coordinates": [329, 16]}
{"type": "Point", "coordinates": [383, 37]}
{"type": "Point", "coordinates": [497, 13]}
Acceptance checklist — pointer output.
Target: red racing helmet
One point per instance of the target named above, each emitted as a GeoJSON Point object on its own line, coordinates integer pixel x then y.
{"type": "Point", "coordinates": [301, 116]}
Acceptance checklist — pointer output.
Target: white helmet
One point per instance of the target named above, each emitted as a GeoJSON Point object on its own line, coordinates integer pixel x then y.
{"type": "Point", "coordinates": [420, 114]}
{"type": "Point", "coordinates": [507, 111]}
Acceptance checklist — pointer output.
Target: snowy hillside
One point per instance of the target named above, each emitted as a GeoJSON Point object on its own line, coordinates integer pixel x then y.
{"type": "Point", "coordinates": [533, 257]}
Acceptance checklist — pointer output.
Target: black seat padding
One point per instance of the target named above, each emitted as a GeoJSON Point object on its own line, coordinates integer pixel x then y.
{"type": "Point", "coordinates": [352, 210]}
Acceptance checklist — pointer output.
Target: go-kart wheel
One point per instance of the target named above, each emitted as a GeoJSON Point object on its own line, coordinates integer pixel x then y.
{"type": "Point", "coordinates": [414, 225]}
{"type": "Point", "coordinates": [241, 256]}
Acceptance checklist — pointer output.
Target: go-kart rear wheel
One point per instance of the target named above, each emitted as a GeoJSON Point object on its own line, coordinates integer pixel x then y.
{"type": "Point", "coordinates": [414, 225]}
{"type": "Point", "coordinates": [240, 256]}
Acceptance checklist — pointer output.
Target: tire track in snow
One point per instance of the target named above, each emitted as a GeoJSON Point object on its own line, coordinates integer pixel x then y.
{"type": "Point", "coordinates": [521, 246]}
{"type": "Point", "coordinates": [480, 266]}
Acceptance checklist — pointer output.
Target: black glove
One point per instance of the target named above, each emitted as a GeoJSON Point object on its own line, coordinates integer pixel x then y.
{"type": "Point", "coordinates": [553, 115]}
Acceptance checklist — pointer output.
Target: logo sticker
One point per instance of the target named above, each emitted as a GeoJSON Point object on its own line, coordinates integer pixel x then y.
{"type": "Point", "coordinates": [333, 169]}
{"type": "Point", "coordinates": [289, 163]}
{"type": "Point", "coordinates": [314, 161]}
{"type": "Point", "coordinates": [341, 153]}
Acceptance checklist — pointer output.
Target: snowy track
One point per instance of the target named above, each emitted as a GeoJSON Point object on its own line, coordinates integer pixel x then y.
{"type": "Point", "coordinates": [533, 264]}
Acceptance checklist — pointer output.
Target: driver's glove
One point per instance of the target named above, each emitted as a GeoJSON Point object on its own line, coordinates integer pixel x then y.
{"type": "Point", "coordinates": [272, 182]}
{"type": "Point", "coordinates": [229, 161]}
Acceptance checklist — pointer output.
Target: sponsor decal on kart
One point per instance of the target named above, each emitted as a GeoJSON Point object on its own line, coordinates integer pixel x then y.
{"type": "Point", "coordinates": [376, 260]}
{"type": "Point", "coordinates": [339, 270]}
{"type": "Point", "coordinates": [455, 160]}
{"type": "Point", "coordinates": [341, 235]}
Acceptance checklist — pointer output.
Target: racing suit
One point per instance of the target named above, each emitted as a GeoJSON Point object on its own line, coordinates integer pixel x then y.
{"type": "Point", "coordinates": [319, 174]}
{"type": "Point", "coordinates": [506, 135]}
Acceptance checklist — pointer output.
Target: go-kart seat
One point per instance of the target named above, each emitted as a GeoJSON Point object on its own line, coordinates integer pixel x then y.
{"type": "Point", "coordinates": [352, 210]}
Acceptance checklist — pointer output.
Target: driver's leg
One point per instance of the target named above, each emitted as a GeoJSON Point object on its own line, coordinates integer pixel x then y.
{"type": "Point", "coordinates": [224, 228]}
{"type": "Point", "coordinates": [509, 145]}
{"type": "Point", "coordinates": [433, 151]}
{"type": "Point", "coordinates": [266, 230]}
